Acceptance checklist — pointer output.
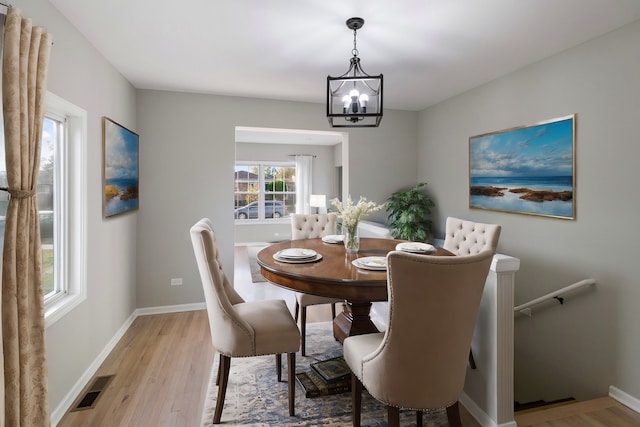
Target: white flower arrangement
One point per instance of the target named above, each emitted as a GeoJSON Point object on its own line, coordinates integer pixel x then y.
{"type": "Point", "coordinates": [352, 214]}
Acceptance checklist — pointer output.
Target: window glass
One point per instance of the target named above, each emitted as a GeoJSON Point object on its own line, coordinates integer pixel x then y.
{"type": "Point", "coordinates": [264, 191]}
{"type": "Point", "coordinates": [48, 183]}
{"type": "Point", "coordinates": [46, 189]}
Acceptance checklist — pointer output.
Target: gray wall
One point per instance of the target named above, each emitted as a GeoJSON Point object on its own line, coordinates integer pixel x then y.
{"type": "Point", "coordinates": [591, 342]}
{"type": "Point", "coordinates": [186, 173]}
{"type": "Point", "coordinates": [80, 75]}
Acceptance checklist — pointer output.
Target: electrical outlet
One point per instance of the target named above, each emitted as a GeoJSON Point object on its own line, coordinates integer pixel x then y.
{"type": "Point", "coordinates": [176, 282]}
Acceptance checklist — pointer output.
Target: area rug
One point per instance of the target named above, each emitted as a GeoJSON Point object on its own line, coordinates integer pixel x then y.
{"type": "Point", "coordinates": [255, 398]}
{"type": "Point", "coordinates": [252, 253]}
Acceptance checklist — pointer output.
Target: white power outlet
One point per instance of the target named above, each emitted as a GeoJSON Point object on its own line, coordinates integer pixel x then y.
{"type": "Point", "coordinates": [176, 282]}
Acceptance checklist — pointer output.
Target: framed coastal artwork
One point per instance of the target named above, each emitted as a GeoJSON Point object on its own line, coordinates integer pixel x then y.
{"type": "Point", "coordinates": [119, 169]}
{"type": "Point", "coordinates": [527, 169]}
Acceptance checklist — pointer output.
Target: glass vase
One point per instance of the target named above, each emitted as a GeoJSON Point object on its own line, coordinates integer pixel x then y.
{"type": "Point", "coordinates": [351, 239]}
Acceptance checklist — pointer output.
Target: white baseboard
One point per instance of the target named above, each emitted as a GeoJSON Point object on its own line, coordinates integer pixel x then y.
{"type": "Point", "coordinates": [624, 398]}
{"type": "Point", "coordinates": [170, 309]}
{"type": "Point", "coordinates": [482, 417]}
{"type": "Point", "coordinates": [84, 379]}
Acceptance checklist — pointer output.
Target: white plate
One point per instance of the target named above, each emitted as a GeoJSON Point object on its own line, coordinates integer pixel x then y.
{"type": "Point", "coordinates": [296, 253]}
{"type": "Point", "coordinates": [315, 258]}
{"type": "Point", "coordinates": [371, 263]}
{"type": "Point", "coordinates": [333, 238]}
{"type": "Point", "coordinates": [416, 247]}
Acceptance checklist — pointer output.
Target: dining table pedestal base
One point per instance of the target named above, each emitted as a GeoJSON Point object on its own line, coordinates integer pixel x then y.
{"type": "Point", "coordinates": [353, 320]}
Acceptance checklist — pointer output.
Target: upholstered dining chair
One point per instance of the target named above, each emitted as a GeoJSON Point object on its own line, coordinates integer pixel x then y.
{"type": "Point", "coordinates": [420, 361]}
{"type": "Point", "coordinates": [310, 226]}
{"type": "Point", "coordinates": [239, 328]}
{"type": "Point", "coordinates": [464, 237]}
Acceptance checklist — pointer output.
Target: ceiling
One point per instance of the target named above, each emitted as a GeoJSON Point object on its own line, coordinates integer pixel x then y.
{"type": "Point", "coordinates": [427, 50]}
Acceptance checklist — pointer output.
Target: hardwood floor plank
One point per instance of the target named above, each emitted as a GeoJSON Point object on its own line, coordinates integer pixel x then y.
{"type": "Point", "coordinates": [603, 411]}
{"type": "Point", "coordinates": [162, 367]}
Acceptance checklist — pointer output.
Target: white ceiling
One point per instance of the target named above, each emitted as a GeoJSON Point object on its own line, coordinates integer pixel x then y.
{"type": "Point", "coordinates": [428, 50]}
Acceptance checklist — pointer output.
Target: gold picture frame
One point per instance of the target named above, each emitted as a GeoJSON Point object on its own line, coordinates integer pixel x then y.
{"type": "Point", "coordinates": [120, 168]}
{"type": "Point", "coordinates": [528, 169]}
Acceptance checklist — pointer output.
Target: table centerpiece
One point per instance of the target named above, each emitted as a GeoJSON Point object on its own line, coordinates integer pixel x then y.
{"type": "Point", "coordinates": [351, 214]}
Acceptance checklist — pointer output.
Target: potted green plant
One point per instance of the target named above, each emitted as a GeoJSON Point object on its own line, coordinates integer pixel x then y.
{"type": "Point", "coordinates": [410, 214]}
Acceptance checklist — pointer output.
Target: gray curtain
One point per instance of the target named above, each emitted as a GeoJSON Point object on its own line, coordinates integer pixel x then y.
{"type": "Point", "coordinates": [25, 58]}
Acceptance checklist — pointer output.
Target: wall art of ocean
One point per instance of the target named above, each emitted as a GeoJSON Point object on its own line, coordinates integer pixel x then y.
{"type": "Point", "coordinates": [117, 204]}
{"type": "Point", "coordinates": [512, 202]}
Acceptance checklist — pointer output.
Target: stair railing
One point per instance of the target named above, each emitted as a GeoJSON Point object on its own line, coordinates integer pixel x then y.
{"type": "Point", "coordinates": [526, 307]}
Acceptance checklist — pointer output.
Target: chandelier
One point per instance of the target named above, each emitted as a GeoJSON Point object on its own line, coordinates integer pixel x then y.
{"type": "Point", "coordinates": [354, 99]}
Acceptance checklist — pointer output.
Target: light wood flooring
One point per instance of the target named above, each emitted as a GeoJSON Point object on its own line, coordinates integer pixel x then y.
{"type": "Point", "coordinates": [163, 362]}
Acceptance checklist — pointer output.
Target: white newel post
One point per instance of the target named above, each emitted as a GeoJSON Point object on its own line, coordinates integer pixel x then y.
{"type": "Point", "coordinates": [488, 390]}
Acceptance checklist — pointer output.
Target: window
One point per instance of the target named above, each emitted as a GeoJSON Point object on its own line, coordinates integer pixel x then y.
{"type": "Point", "coordinates": [264, 191]}
{"type": "Point", "coordinates": [50, 183]}
{"type": "Point", "coordinates": [60, 192]}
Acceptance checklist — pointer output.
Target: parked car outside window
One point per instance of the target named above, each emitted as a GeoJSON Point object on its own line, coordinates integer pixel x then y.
{"type": "Point", "coordinates": [272, 209]}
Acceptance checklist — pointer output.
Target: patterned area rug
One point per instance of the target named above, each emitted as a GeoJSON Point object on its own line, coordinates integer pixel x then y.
{"type": "Point", "coordinates": [255, 398]}
{"type": "Point", "coordinates": [252, 253]}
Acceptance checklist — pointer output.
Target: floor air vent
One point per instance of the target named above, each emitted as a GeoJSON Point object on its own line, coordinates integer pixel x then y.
{"type": "Point", "coordinates": [90, 395]}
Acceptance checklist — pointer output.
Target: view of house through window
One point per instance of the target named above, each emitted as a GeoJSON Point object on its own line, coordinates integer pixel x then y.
{"type": "Point", "coordinates": [264, 191]}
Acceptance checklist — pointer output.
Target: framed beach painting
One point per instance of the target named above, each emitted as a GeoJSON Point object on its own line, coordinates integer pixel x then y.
{"type": "Point", "coordinates": [119, 169]}
{"type": "Point", "coordinates": [527, 170]}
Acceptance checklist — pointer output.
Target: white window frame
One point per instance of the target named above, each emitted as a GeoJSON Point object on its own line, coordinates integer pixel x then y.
{"type": "Point", "coordinates": [70, 210]}
{"type": "Point", "coordinates": [59, 205]}
{"type": "Point", "coordinates": [262, 193]}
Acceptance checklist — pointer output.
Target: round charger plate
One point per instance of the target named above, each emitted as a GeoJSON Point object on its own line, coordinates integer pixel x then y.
{"type": "Point", "coordinates": [371, 263]}
{"type": "Point", "coordinates": [296, 253]}
{"type": "Point", "coordinates": [333, 238]}
{"type": "Point", "coordinates": [316, 257]}
{"type": "Point", "coordinates": [416, 247]}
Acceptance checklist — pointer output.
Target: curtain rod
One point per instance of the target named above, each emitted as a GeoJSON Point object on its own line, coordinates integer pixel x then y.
{"type": "Point", "coordinates": [293, 155]}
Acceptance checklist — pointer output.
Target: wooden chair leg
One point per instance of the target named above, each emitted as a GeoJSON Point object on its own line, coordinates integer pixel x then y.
{"type": "Point", "coordinates": [225, 364]}
{"type": "Point", "coordinates": [472, 361]}
{"type": "Point", "coordinates": [219, 369]}
{"type": "Point", "coordinates": [356, 400]}
{"type": "Point", "coordinates": [291, 366]}
{"type": "Point", "coordinates": [279, 366]}
{"type": "Point", "coordinates": [303, 331]}
{"type": "Point", "coordinates": [418, 418]}
{"type": "Point", "coordinates": [393, 414]}
{"type": "Point", "coordinates": [333, 310]}
{"type": "Point", "coordinates": [453, 415]}
{"type": "Point", "coordinates": [296, 311]}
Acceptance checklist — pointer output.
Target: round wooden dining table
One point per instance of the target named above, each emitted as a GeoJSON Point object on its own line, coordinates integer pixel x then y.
{"type": "Point", "coordinates": [334, 275]}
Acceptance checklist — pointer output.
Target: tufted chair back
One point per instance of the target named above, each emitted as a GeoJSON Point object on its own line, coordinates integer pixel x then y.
{"type": "Point", "coordinates": [239, 328]}
{"type": "Point", "coordinates": [420, 362]}
{"type": "Point", "coordinates": [312, 226]}
{"type": "Point", "coordinates": [468, 238]}
{"type": "Point", "coordinates": [230, 334]}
